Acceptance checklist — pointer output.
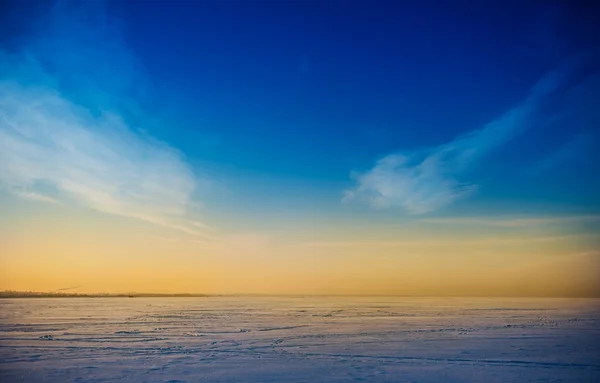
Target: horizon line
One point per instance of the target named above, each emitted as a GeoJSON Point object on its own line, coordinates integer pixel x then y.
{"type": "Point", "coordinates": [54, 294]}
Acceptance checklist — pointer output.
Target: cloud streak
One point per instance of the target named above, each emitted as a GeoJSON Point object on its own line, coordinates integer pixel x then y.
{"type": "Point", "coordinates": [489, 241]}
{"type": "Point", "coordinates": [84, 142]}
{"type": "Point", "coordinates": [426, 180]}
{"type": "Point", "coordinates": [34, 196]}
{"type": "Point", "coordinates": [514, 222]}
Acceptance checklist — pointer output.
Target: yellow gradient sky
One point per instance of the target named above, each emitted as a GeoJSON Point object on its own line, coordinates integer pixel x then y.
{"type": "Point", "coordinates": [51, 247]}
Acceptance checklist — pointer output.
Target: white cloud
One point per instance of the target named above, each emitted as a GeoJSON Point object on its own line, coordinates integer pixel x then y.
{"type": "Point", "coordinates": [419, 188]}
{"type": "Point", "coordinates": [423, 181]}
{"type": "Point", "coordinates": [95, 160]}
{"type": "Point", "coordinates": [68, 120]}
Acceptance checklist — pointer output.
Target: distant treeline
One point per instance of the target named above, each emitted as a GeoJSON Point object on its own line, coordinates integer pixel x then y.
{"type": "Point", "coordinates": [36, 294]}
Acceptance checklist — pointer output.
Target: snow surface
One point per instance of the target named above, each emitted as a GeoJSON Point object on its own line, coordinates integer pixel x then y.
{"type": "Point", "coordinates": [218, 339]}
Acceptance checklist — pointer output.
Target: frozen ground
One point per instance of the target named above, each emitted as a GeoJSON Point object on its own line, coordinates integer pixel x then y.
{"type": "Point", "coordinates": [299, 340]}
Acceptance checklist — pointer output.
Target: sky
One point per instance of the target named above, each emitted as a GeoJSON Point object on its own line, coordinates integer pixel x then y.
{"type": "Point", "coordinates": [301, 147]}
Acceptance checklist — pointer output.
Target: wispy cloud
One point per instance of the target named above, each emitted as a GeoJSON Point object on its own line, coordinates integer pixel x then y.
{"type": "Point", "coordinates": [582, 115]}
{"type": "Point", "coordinates": [578, 148]}
{"type": "Point", "coordinates": [488, 241]}
{"type": "Point", "coordinates": [427, 180]}
{"type": "Point", "coordinates": [513, 222]}
{"type": "Point", "coordinates": [85, 141]}
{"type": "Point", "coordinates": [34, 196]}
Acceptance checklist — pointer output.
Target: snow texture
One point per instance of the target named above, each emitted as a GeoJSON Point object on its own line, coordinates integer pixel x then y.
{"type": "Point", "coordinates": [240, 339]}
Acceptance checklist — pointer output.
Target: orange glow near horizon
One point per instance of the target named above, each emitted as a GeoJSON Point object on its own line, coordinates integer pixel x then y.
{"type": "Point", "coordinates": [83, 251]}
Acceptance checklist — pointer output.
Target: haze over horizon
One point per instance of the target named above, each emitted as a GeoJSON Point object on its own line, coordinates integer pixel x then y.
{"type": "Point", "coordinates": [269, 147]}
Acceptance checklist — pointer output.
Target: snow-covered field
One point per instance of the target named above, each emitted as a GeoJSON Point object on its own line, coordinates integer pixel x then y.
{"type": "Point", "coordinates": [313, 340]}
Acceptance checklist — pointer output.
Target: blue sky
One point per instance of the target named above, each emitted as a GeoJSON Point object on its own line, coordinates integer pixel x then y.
{"type": "Point", "coordinates": [307, 93]}
{"type": "Point", "coordinates": [296, 103]}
